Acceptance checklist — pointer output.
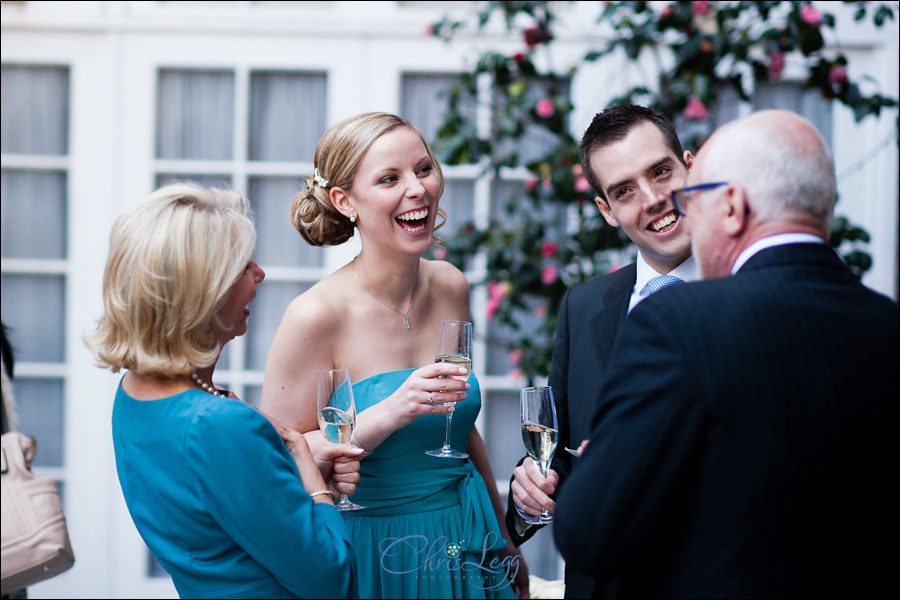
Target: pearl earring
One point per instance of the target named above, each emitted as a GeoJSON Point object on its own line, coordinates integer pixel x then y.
{"type": "Point", "coordinates": [353, 217]}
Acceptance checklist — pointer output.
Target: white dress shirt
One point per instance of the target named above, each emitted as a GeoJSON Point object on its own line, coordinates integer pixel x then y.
{"type": "Point", "coordinates": [773, 240]}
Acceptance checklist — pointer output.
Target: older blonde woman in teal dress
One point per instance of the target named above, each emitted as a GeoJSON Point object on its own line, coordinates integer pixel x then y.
{"type": "Point", "coordinates": [224, 498]}
{"type": "Point", "coordinates": [432, 527]}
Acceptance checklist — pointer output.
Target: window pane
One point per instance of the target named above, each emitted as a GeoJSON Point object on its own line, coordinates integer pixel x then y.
{"type": "Point", "coordinates": [265, 315]}
{"type": "Point", "coordinates": [39, 406]}
{"type": "Point", "coordinates": [35, 113]}
{"type": "Point", "coordinates": [790, 95]}
{"type": "Point", "coordinates": [423, 102]}
{"type": "Point", "coordinates": [459, 204]}
{"type": "Point", "coordinates": [33, 311]}
{"type": "Point", "coordinates": [287, 116]}
{"type": "Point", "coordinates": [252, 395]}
{"type": "Point", "coordinates": [33, 207]}
{"type": "Point", "coordinates": [207, 181]}
{"type": "Point", "coordinates": [279, 244]}
{"type": "Point", "coordinates": [503, 431]}
{"type": "Point", "coordinates": [195, 118]}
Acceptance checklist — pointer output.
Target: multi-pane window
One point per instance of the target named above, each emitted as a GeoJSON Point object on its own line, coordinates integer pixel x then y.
{"type": "Point", "coordinates": [34, 248]}
{"type": "Point", "coordinates": [254, 131]}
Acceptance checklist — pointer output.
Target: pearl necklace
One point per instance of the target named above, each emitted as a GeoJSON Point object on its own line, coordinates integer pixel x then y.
{"type": "Point", "coordinates": [205, 386]}
{"type": "Point", "coordinates": [405, 315]}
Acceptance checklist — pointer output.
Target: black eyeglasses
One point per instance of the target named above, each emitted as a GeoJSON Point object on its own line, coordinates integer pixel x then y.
{"type": "Point", "coordinates": [679, 197]}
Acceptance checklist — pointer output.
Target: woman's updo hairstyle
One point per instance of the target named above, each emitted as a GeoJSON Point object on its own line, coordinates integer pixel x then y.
{"type": "Point", "coordinates": [338, 154]}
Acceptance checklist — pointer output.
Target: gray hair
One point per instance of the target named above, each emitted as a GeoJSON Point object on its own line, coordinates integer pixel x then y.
{"type": "Point", "coordinates": [785, 166]}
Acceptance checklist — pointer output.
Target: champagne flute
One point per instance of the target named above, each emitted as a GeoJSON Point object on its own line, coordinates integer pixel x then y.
{"type": "Point", "coordinates": [539, 432]}
{"type": "Point", "coordinates": [454, 345]}
{"type": "Point", "coordinates": [337, 413]}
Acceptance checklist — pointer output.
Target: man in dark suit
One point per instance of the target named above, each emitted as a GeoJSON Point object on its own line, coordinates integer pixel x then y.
{"type": "Point", "coordinates": [746, 432]}
{"type": "Point", "coordinates": [632, 157]}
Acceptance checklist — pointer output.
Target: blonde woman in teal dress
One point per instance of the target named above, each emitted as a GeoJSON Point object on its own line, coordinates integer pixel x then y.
{"type": "Point", "coordinates": [432, 527]}
{"type": "Point", "coordinates": [218, 491]}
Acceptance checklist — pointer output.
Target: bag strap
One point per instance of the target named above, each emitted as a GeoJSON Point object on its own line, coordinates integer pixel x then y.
{"type": "Point", "coordinates": [16, 444]}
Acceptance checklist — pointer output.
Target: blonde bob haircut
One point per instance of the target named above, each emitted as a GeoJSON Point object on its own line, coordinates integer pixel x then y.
{"type": "Point", "coordinates": [173, 258]}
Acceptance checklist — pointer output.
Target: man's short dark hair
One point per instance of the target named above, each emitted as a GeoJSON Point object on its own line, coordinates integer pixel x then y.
{"type": "Point", "coordinates": [614, 124]}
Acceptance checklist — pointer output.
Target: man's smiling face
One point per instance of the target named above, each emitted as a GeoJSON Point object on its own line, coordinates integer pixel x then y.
{"type": "Point", "coordinates": [637, 175]}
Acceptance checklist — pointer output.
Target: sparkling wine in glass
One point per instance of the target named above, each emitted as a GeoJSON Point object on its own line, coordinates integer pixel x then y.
{"type": "Point", "coordinates": [539, 432]}
{"type": "Point", "coordinates": [454, 345]}
{"type": "Point", "coordinates": [337, 413]}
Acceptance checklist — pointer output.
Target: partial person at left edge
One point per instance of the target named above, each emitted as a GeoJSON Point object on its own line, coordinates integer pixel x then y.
{"type": "Point", "coordinates": [231, 502]}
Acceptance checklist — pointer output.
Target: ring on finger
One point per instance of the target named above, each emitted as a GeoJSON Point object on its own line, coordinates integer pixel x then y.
{"type": "Point", "coordinates": [430, 401]}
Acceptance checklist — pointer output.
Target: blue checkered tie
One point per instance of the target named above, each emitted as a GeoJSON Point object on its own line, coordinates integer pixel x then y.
{"type": "Point", "coordinates": [661, 281]}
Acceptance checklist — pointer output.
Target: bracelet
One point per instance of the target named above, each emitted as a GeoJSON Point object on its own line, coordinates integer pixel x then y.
{"type": "Point", "coordinates": [322, 493]}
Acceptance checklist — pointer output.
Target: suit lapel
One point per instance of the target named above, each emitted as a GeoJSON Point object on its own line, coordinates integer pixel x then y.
{"type": "Point", "coordinates": [605, 325]}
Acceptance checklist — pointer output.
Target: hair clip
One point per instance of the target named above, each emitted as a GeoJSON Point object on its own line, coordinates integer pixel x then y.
{"type": "Point", "coordinates": [319, 179]}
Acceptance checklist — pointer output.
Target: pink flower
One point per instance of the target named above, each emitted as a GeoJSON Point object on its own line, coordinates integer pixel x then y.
{"type": "Point", "coordinates": [582, 185]}
{"type": "Point", "coordinates": [492, 305]}
{"type": "Point", "coordinates": [547, 184]}
{"type": "Point", "coordinates": [666, 12]}
{"type": "Point", "coordinates": [516, 373]}
{"type": "Point", "coordinates": [531, 183]}
{"type": "Point", "coordinates": [548, 275]}
{"type": "Point", "coordinates": [544, 108]}
{"type": "Point", "coordinates": [837, 76]}
{"type": "Point", "coordinates": [440, 253]}
{"type": "Point", "coordinates": [695, 110]}
{"type": "Point", "coordinates": [515, 355]}
{"type": "Point", "coordinates": [614, 267]}
{"type": "Point", "coordinates": [498, 290]}
{"type": "Point", "coordinates": [540, 311]}
{"type": "Point", "coordinates": [776, 64]}
{"type": "Point", "coordinates": [700, 8]}
{"type": "Point", "coordinates": [811, 14]}
{"type": "Point", "coordinates": [429, 30]}
{"type": "Point", "coordinates": [577, 171]}
{"type": "Point", "coordinates": [549, 249]}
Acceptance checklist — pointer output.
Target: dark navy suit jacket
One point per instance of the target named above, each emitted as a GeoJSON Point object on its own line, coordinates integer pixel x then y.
{"type": "Point", "coordinates": [589, 320]}
{"type": "Point", "coordinates": [745, 442]}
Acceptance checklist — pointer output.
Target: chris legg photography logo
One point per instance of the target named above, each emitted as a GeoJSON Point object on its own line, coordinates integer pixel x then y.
{"type": "Point", "coordinates": [441, 558]}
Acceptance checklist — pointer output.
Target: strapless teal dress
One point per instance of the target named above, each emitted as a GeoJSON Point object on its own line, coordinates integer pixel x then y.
{"type": "Point", "coordinates": [429, 530]}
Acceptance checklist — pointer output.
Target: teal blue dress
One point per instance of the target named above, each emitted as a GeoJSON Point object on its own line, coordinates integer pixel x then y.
{"type": "Point", "coordinates": [218, 499]}
{"type": "Point", "coordinates": [429, 529]}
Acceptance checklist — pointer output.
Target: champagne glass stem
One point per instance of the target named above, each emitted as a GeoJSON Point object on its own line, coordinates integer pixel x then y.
{"type": "Point", "coordinates": [447, 432]}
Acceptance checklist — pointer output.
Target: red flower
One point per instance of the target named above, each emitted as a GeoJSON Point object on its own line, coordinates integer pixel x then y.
{"type": "Point", "coordinates": [549, 248]}
{"type": "Point", "coordinates": [536, 35]}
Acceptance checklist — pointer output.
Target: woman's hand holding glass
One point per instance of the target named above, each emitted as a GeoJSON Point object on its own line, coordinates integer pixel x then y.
{"type": "Point", "coordinates": [454, 346]}
{"type": "Point", "coordinates": [336, 414]}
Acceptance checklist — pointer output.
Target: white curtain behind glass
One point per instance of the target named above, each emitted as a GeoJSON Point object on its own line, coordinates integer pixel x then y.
{"type": "Point", "coordinates": [287, 116]}
{"type": "Point", "coordinates": [35, 123]}
{"type": "Point", "coordinates": [195, 115]}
